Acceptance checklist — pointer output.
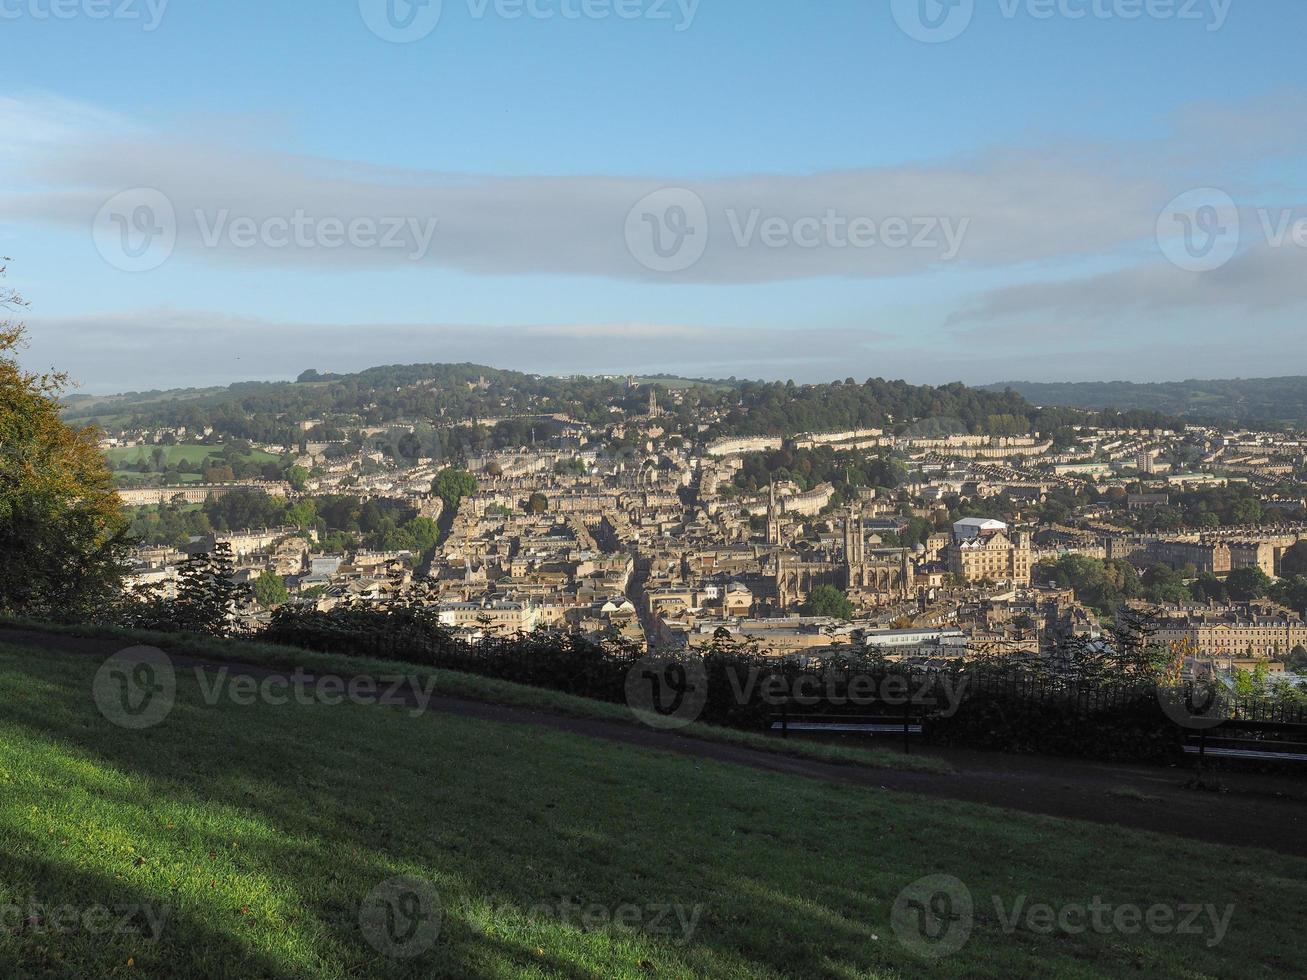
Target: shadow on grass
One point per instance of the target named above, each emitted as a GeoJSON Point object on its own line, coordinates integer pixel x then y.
{"type": "Point", "coordinates": [327, 803]}
{"type": "Point", "coordinates": [790, 877]}
{"type": "Point", "coordinates": [107, 944]}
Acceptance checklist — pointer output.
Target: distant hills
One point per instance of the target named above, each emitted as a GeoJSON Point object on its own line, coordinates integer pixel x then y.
{"type": "Point", "coordinates": [1265, 401]}
{"type": "Point", "coordinates": [272, 412]}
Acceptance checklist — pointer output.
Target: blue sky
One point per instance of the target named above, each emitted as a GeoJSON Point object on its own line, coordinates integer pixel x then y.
{"type": "Point", "coordinates": [522, 164]}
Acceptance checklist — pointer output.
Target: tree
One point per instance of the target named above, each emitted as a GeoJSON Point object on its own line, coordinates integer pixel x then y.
{"type": "Point", "coordinates": [63, 534]}
{"type": "Point", "coordinates": [1126, 647]}
{"type": "Point", "coordinates": [1102, 585]}
{"type": "Point", "coordinates": [1298, 660]}
{"type": "Point", "coordinates": [537, 504]}
{"type": "Point", "coordinates": [826, 600]}
{"type": "Point", "coordinates": [452, 485]}
{"type": "Point", "coordinates": [1245, 584]}
{"type": "Point", "coordinates": [297, 477]}
{"type": "Point", "coordinates": [1163, 584]}
{"type": "Point", "coordinates": [207, 598]}
{"type": "Point", "coordinates": [219, 474]}
{"type": "Point", "coordinates": [409, 447]}
{"type": "Point", "coordinates": [1294, 561]}
{"type": "Point", "coordinates": [1292, 593]}
{"type": "Point", "coordinates": [302, 513]}
{"type": "Point", "coordinates": [1209, 587]}
{"type": "Point", "coordinates": [207, 601]}
{"type": "Point", "coordinates": [270, 589]}
{"type": "Point", "coordinates": [420, 535]}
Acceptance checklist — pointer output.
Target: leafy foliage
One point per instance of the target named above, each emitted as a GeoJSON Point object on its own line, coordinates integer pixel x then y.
{"type": "Point", "coordinates": [1245, 584]}
{"type": "Point", "coordinates": [1208, 507]}
{"type": "Point", "coordinates": [341, 522]}
{"type": "Point", "coordinates": [1101, 585]}
{"type": "Point", "coordinates": [63, 536]}
{"type": "Point", "coordinates": [452, 485]}
{"type": "Point", "coordinates": [811, 467]}
{"type": "Point", "coordinates": [826, 600]}
{"type": "Point", "coordinates": [270, 590]}
{"type": "Point", "coordinates": [206, 603]}
{"type": "Point", "coordinates": [263, 412]}
{"type": "Point", "coordinates": [1294, 561]}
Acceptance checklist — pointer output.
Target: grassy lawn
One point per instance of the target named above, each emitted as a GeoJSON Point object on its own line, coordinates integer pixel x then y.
{"type": "Point", "coordinates": [250, 836]}
{"type": "Point", "coordinates": [177, 454]}
{"type": "Point", "coordinates": [455, 684]}
{"type": "Point", "coordinates": [171, 454]}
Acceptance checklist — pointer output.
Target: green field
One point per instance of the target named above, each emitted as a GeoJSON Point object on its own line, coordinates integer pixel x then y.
{"type": "Point", "coordinates": [253, 840]}
{"type": "Point", "coordinates": [173, 455]}
{"type": "Point", "coordinates": [177, 454]}
{"type": "Point", "coordinates": [130, 479]}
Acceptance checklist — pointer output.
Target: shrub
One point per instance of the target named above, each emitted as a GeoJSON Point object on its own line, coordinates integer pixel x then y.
{"type": "Point", "coordinates": [207, 599]}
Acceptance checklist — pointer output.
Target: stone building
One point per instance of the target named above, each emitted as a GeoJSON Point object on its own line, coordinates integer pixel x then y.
{"type": "Point", "coordinates": [986, 550]}
{"type": "Point", "coordinates": [882, 578]}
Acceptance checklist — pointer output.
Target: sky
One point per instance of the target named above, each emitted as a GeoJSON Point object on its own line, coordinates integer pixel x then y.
{"type": "Point", "coordinates": [199, 193]}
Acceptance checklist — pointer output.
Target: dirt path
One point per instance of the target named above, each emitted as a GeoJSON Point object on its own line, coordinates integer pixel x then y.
{"type": "Point", "coordinates": [1254, 810]}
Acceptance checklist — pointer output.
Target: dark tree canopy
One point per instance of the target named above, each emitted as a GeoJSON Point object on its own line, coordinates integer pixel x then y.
{"type": "Point", "coordinates": [63, 535]}
{"type": "Point", "coordinates": [1294, 562]}
{"type": "Point", "coordinates": [826, 600]}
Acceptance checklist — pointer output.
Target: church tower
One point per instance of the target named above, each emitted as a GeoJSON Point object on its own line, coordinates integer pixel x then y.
{"type": "Point", "coordinates": [854, 573]}
{"type": "Point", "coordinates": [855, 542]}
{"type": "Point", "coordinates": [653, 401]}
{"type": "Point", "coordinates": [773, 516]}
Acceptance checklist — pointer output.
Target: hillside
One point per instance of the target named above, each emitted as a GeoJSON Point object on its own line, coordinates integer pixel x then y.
{"type": "Point", "coordinates": [1275, 401]}
{"type": "Point", "coordinates": [271, 412]}
{"type": "Point", "coordinates": [309, 839]}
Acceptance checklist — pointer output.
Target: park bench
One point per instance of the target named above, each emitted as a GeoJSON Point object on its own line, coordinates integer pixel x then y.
{"type": "Point", "coordinates": [1242, 738]}
{"type": "Point", "coordinates": [875, 718]}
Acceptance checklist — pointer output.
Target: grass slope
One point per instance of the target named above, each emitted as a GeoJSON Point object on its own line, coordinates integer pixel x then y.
{"type": "Point", "coordinates": [173, 455]}
{"type": "Point", "coordinates": [262, 829]}
{"type": "Point", "coordinates": [470, 687]}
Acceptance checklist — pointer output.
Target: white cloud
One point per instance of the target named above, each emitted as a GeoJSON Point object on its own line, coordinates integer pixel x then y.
{"type": "Point", "coordinates": [1034, 218]}
{"type": "Point", "coordinates": [993, 211]}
